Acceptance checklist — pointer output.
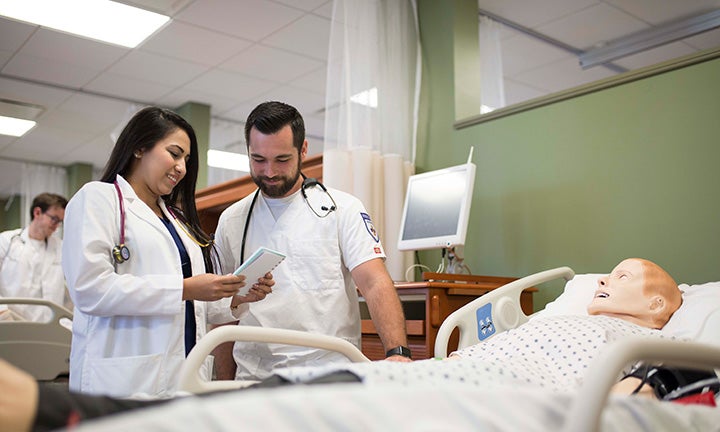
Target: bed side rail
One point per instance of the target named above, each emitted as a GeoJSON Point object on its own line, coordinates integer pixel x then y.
{"type": "Point", "coordinates": [191, 381]}
{"type": "Point", "coordinates": [494, 312]}
{"type": "Point", "coordinates": [40, 348]}
{"type": "Point", "coordinates": [584, 414]}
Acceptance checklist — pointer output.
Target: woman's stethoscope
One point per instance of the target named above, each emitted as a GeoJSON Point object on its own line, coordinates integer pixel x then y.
{"type": "Point", "coordinates": [308, 182]}
{"type": "Point", "coordinates": [120, 252]}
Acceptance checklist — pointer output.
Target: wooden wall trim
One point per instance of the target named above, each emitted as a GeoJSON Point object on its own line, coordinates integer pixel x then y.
{"type": "Point", "coordinates": [212, 200]}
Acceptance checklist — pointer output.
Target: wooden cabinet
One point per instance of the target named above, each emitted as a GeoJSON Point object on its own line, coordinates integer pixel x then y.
{"type": "Point", "coordinates": [428, 303]}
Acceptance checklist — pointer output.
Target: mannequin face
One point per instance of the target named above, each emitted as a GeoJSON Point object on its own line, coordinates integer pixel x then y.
{"type": "Point", "coordinates": [638, 291]}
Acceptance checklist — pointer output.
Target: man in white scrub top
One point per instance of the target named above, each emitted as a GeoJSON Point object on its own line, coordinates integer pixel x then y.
{"type": "Point", "coordinates": [30, 260]}
{"type": "Point", "coordinates": [331, 248]}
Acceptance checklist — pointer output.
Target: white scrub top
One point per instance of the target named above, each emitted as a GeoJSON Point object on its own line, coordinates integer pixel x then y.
{"type": "Point", "coordinates": [129, 322]}
{"type": "Point", "coordinates": [313, 289]}
{"type": "Point", "coordinates": [31, 268]}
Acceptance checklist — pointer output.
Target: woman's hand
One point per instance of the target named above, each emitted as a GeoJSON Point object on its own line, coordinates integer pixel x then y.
{"type": "Point", "coordinates": [257, 292]}
{"type": "Point", "coordinates": [211, 287]}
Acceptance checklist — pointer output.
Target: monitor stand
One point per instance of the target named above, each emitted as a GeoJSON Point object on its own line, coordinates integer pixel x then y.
{"type": "Point", "coordinates": [456, 263]}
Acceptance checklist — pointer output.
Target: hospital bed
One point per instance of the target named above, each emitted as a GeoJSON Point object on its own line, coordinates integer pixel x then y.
{"type": "Point", "coordinates": [464, 407]}
{"type": "Point", "coordinates": [40, 348]}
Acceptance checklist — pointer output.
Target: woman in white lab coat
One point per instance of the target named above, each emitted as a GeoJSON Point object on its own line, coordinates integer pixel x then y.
{"type": "Point", "coordinates": [139, 269]}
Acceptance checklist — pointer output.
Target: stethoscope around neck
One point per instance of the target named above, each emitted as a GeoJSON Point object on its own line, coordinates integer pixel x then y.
{"type": "Point", "coordinates": [120, 252]}
{"type": "Point", "coordinates": [308, 182]}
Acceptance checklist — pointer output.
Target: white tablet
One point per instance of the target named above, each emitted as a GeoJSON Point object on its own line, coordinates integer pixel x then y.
{"type": "Point", "coordinates": [264, 260]}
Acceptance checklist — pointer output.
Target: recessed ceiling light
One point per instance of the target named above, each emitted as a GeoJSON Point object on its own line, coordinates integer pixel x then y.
{"type": "Point", "coordinates": [104, 20]}
{"type": "Point", "coordinates": [228, 160]}
{"type": "Point", "coordinates": [14, 126]}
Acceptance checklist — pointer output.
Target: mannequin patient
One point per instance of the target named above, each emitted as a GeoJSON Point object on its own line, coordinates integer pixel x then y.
{"type": "Point", "coordinates": [636, 299]}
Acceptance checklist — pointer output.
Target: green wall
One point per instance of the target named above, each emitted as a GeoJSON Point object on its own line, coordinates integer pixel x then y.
{"type": "Point", "coordinates": [627, 171]}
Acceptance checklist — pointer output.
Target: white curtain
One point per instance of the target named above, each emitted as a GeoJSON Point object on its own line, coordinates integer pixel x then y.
{"type": "Point", "coordinates": [492, 89]}
{"type": "Point", "coordinates": [37, 179]}
{"type": "Point", "coordinates": [371, 104]}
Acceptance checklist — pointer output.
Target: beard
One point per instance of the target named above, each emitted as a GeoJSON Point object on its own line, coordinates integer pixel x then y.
{"type": "Point", "coordinates": [278, 190]}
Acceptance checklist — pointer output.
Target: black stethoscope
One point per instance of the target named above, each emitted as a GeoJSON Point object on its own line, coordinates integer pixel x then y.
{"type": "Point", "coordinates": [308, 182]}
{"type": "Point", "coordinates": [120, 252]}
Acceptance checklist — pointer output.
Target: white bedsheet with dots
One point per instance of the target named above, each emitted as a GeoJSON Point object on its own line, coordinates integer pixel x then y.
{"type": "Point", "coordinates": [552, 353]}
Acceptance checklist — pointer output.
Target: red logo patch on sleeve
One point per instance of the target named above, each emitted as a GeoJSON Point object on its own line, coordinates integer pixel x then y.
{"type": "Point", "coordinates": [377, 250]}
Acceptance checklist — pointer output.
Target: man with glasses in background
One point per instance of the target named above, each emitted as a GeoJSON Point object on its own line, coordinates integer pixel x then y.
{"type": "Point", "coordinates": [30, 260]}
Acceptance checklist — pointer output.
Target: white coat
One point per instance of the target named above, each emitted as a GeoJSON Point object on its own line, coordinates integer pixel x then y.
{"type": "Point", "coordinates": [128, 327]}
{"type": "Point", "coordinates": [313, 290]}
{"type": "Point", "coordinates": [31, 268]}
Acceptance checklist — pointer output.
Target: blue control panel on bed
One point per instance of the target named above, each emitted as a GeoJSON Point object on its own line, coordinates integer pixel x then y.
{"type": "Point", "coordinates": [485, 327]}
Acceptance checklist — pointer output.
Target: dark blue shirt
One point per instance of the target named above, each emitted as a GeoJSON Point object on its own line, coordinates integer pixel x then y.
{"type": "Point", "coordinates": [190, 323]}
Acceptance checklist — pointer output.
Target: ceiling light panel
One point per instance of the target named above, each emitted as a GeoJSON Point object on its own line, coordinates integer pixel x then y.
{"type": "Point", "coordinates": [103, 20]}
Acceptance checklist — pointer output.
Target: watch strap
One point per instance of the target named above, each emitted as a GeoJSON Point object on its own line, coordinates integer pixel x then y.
{"type": "Point", "coordinates": [399, 350]}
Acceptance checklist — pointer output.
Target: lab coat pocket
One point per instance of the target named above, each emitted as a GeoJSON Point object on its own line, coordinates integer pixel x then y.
{"type": "Point", "coordinates": [125, 376]}
{"type": "Point", "coordinates": [316, 264]}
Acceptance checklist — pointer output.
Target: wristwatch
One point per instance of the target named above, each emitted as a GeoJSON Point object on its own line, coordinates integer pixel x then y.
{"type": "Point", "coordinates": [399, 350]}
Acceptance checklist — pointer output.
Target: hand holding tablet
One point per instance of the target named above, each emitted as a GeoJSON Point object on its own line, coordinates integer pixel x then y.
{"type": "Point", "coordinates": [263, 261]}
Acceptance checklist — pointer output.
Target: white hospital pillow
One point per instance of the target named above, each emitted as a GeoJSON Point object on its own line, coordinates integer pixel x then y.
{"type": "Point", "coordinates": [698, 302]}
{"type": "Point", "coordinates": [578, 294]}
{"type": "Point", "coordinates": [687, 322]}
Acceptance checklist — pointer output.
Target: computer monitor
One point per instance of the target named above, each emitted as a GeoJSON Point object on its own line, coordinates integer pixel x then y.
{"type": "Point", "coordinates": [437, 208]}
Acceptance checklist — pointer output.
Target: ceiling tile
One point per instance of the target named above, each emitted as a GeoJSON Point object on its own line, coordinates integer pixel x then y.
{"type": "Point", "coordinates": [533, 13]}
{"type": "Point", "coordinates": [248, 19]}
{"type": "Point", "coordinates": [156, 68]}
{"type": "Point", "coordinates": [128, 89]}
{"type": "Point", "coordinates": [49, 142]}
{"type": "Point", "coordinates": [309, 36]}
{"type": "Point", "coordinates": [14, 33]}
{"type": "Point", "coordinates": [592, 26]}
{"type": "Point", "coordinates": [306, 5]}
{"type": "Point", "coordinates": [228, 84]}
{"type": "Point", "coordinates": [191, 43]}
{"type": "Point", "coordinates": [522, 53]}
{"type": "Point", "coordinates": [325, 10]}
{"type": "Point", "coordinates": [306, 102]}
{"type": "Point", "coordinates": [271, 63]}
{"type": "Point", "coordinates": [56, 72]}
{"type": "Point", "coordinates": [104, 111]}
{"type": "Point", "coordinates": [661, 11]}
{"type": "Point", "coordinates": [65, 48]}
{"type": "Point", "coordinates": [20, 91]}
{"type": "Point", "coordinates": [562, 75]}
{"type": "Point", "coordinates": [95, 152]}
{"type": "Point", "coordinates": [314, 81]}
{"type": "Point", "coordinates": [218, 103]}
{"type": "Point", "coordinates": [516, 92]}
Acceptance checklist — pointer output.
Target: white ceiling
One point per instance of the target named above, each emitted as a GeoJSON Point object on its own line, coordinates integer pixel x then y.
{"type": "Point", "coordinates": [234, 54]}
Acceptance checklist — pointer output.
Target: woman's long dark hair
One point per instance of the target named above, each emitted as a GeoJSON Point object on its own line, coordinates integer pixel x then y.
{"type": "Point", "coordinates": [147, 127]}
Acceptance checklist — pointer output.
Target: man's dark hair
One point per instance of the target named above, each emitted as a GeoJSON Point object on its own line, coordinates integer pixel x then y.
{"type": "Point", "coordinates": [269, 117]}
{"type": "Point", "coordinates": [45, 201]}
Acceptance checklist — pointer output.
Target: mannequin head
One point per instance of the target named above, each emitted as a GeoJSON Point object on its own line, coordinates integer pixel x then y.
{"type": "Point", "coordinates": [639, 291]}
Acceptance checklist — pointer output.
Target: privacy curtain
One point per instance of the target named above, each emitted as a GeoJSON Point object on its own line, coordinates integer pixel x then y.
{"type": "Point", "coordinates": [37, 179]}
{"type": "Point", "coordinates": [371, 104]}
